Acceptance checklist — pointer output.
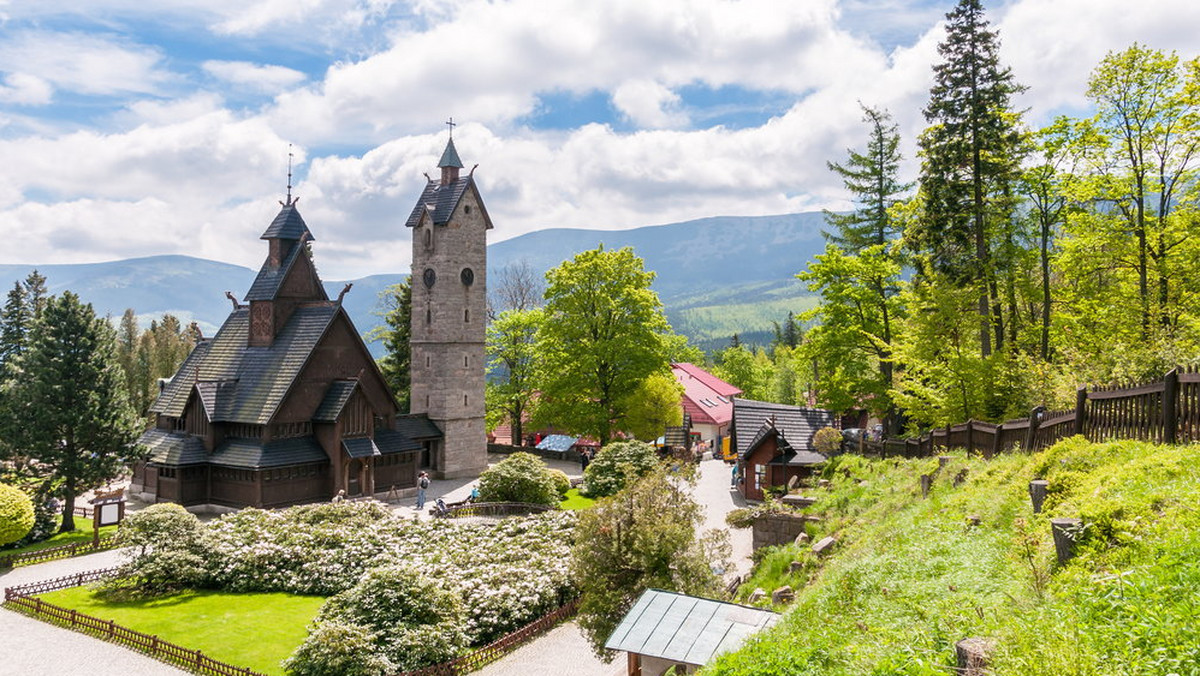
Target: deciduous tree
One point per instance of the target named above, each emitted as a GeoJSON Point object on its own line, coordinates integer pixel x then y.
{"type": "Point", "coordinates": [512, 353]}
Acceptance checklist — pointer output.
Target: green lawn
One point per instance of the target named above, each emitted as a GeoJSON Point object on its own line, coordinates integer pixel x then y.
{"type": "Point", "coordinates": [82, 533]}
{"type": "Point", "coordinates": [576, 501]}
{"type": "Point", "coordinates": [246, 630]}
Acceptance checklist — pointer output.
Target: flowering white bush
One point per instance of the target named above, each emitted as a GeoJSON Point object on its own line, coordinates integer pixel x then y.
{"type": "Point", "coordinates": [507, 574]}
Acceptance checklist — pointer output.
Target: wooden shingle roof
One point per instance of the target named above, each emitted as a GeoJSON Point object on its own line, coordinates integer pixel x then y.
{"type": "Point", "coordinates": [173, 448]}
{"type": "Point", "coordinates": [257, 378]}
{"type": "Point", "coordinates": [754, 420]}
{"type": "Point", "coordinates": [287, 225]}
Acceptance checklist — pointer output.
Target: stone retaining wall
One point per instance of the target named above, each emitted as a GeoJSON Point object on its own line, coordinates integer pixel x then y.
{"type": "Point", "coordinates": [776, 529]}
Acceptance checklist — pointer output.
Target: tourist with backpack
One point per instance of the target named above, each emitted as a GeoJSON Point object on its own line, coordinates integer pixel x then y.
{"type": "Point", "coordinates": [422, 486]}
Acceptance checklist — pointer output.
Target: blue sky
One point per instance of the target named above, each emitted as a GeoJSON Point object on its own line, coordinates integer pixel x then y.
{"type": "Point", "coordinates": [135, 128]}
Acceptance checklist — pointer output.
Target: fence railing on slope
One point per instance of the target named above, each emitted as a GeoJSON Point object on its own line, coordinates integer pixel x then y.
{"type": "Point", "coordinates": [23, 597]}
{"type": "Point", "coordinates": [1166, 411]}
{"type": "Point", "coordinates": [56, 552]}
{"type": "Point", "coordinates": [500, 647]}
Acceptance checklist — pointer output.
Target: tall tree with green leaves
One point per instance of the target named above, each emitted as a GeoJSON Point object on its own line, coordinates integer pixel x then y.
{"type": "Point", "coordinates": [970, 160]}
{"type": "Point", "coordinates": [15, 320]}
{"type": "Point", "coordinates": [76, 418]}
{"type": "Point", "coordinates": [604, 333]}
{"type": "Point", "coordinates": [647, 535]}
{"type": "Point", "coordinates": [1148, 107]}
{"type": "Point", "coordinates": [512, 358]}
{"type": "Point", "coordinates": [396, 363]}
{"type": "Point", "coordinates": [857, 325]}
{"type": "Point", "coordinates": [873, 178]}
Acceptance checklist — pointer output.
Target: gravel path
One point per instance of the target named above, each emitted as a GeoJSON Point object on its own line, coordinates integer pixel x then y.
{"type": "Point", "coordinates": [31, 646]}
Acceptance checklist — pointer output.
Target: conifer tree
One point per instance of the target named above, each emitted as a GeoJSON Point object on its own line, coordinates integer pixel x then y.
{"type": "Point", "coordinates": [396, 364]}
{"type": "Point", "coordinates": [872, 177]}
{"type": "Point", "coordinates": [75, 416]}
{"type": "Point", "coordinates": [971, 159]}
{"type": "Point", "coordinates": [14, 324]}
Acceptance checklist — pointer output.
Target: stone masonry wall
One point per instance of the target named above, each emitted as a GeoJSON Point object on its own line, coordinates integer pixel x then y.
{"type": "Point", "coordinates": [776, 529]}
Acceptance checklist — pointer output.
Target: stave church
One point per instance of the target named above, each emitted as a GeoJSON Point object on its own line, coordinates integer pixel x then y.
{"type": "Point", "coordinates": [285, 405]}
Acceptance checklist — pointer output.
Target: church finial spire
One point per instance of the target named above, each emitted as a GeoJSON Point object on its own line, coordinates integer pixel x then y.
{"type": "Point", "coordinates": [289, 183]}
{"type": "Point", "coordinates": [450, 163]}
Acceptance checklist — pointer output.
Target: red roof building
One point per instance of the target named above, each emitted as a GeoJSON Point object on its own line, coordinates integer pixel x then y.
{"type": "Point", "coordinates": [708, 400]}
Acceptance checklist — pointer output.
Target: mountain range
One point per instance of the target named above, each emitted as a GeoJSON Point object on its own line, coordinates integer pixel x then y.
{"type": "Point", "coordinates": [716, 276]}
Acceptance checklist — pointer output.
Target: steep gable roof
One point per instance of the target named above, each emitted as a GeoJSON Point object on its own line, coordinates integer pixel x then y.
{"type": "Point", "coordinates": [754, 420]}
{"type": "Point", "coordinates": [440, 201]}
{"type": "Point", "coordinates": [260, 376]}
{"type": "Point", "coordinates": [335, 400]}
{"type": "Point", "coordinates": [270, 277]}
{"type": "Point", "coordinates": [288, 225]}
{"type": "Point", "coordinates": [707, 398]}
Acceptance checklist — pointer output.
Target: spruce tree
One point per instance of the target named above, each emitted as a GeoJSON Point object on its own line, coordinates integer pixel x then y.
{"type": "Point", "coordinates": [14, 325]}
{"type": "Point", "coordinates": [396, 364]}
{"type": "Point", "coordinates": [971, 159]}
{"type": "Point", "coordinates": [872, 177]}
{"type": "Point", "coordinates": [75, 416]}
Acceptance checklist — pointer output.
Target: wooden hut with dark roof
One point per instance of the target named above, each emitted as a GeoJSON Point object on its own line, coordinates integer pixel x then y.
{"type": "Point", "coordinates": [774, 443]}
{"type": "Point", "coordinates": [284, 405]}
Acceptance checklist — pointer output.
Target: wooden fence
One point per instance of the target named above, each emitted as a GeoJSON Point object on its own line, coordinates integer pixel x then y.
{"type": "Point", "coordinates": [500, 647]}
{"type": "Point", "coordinates": [1167, 411]}
{"type": "Point", "coordinates": [22, 597]}
{"type": "Point", "coordinates": [493, 509]}
{"type": "Point", "coordinates": [58, 552]}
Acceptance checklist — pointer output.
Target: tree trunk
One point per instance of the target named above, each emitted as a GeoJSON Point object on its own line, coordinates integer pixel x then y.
{"type": "Point", "coordinates": [1045, 254]}
{"type": "Point", "coordinates": [68, 514]}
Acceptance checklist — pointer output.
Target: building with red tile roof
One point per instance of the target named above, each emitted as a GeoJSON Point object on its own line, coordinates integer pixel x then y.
{"type": "Point", "coordinates": [708, 400]}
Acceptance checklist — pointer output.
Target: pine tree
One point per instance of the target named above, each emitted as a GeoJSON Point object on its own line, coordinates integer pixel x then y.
{"type": "Point", "coordinates": [396, 364]}
{"type": "Point", "coordinates": [75, 414]}
{"type": "Point", "coordinates": [872, 178]}
{"type": "Point", "coordinates": [14, 325]}
{"type": "Point", "coordinates": [971, 158]}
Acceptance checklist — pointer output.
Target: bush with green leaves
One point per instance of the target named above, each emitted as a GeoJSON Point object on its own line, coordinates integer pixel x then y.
{"type": "Point", "coordinates": [562, 482]}
{"type": "Point", "coordinates": [338, 649]}
{"type": "Point", "coordinates": [16, 514]}
{"type": "Point", "coordinates": [46, 513]}
{"type": "Point", "coordinates": [168, 553]}
{"type": "Point", "coordinates": [827, 440]}
{"type": "Point", "coordinates": [521, 477]}
{"type": "Point", "coordinates": [411, 621]}
{"type": "Point", "coordinates": [617, 465]}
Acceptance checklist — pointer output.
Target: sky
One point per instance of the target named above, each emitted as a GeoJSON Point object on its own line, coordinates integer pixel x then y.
{"type": "Point", "coordinates": [132, 128]}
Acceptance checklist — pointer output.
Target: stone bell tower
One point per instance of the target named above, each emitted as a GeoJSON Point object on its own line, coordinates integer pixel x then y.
{"type": "Point", "coordinates": [449, 293]}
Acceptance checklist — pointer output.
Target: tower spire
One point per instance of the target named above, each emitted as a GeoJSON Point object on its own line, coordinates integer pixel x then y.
{"type": "Point", "coordinates": [289, 183]}
{"type": "Point", "coordinates": [450, 163]}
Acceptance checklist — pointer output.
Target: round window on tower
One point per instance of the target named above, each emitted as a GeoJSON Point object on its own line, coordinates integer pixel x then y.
{"type": "Point", "coordinates": [429, 277]}
{"type": "Point", "coordinates": [467, 276]}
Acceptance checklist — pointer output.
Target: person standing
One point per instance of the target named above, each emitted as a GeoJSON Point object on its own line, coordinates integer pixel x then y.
{"type": "Point", "coordinates": [422, 486]}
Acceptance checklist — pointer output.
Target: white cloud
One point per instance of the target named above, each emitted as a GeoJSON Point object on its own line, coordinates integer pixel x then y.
{"type": "Point", "coordinates": [25, 89]}
{"type": "Point", "coordinates": [258, 77]}
{"type": "Point", "coordinates": [83, 63]}
{"type": "Point", "coordinates": [648, 104]}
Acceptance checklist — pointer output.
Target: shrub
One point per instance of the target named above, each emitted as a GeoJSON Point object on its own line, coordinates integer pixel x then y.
{"type": "Point", "coordinates": [337, 649]}
{"type": "Point", "coordinates": [521, 477]}
{"type": "Point", "coordinates": [166, 524]}
{"type": "Point", "coordinates": [412, 620]}
{"type": "Point", "coordinates": [170, 553]}
{"type": "Point", "coordinates": [616, 466]}
{"type": "Point", "coordinates": [827, 440]}
{"type": "Point", "coordinates": [16, 514]}
{"type": "Point", "coordinates": [562, 482]}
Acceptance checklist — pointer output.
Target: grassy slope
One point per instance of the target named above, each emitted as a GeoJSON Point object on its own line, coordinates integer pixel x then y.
{"type": "Point", "coordinates": [246, 630]}
{"type": "Point", "coordinates": [911, 576]}
{"type": "Point", "coordinates": [574, 500]}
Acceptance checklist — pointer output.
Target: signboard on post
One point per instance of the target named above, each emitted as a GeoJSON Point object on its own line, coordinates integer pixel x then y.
{"type": "Point", "coordinates": [109, 510]}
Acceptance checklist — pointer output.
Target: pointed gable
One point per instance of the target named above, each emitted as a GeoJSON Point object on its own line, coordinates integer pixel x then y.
{"type": "Point", "coordinates": [288, 225]}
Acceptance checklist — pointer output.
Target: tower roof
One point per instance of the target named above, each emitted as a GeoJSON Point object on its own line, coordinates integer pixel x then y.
{"type": "Point", "coordinates": [450, 157]}
{"type": "Point", "coordinates": [288, 225]}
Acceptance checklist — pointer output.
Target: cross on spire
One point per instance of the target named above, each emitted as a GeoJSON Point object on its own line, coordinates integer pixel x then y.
{"type": "Point", "coordinates": [452, 124]}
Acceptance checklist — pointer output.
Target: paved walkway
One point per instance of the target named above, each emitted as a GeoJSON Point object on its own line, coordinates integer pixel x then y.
{"type": "Point", "coordinates": [31, 646]}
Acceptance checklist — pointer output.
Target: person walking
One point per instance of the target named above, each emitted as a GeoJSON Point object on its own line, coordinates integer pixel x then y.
{"type": "Point", "coordinates": [422, 486]}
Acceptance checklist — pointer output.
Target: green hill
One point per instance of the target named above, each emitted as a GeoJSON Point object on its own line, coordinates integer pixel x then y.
{"type": "Point", "coordinates": [912, 576]}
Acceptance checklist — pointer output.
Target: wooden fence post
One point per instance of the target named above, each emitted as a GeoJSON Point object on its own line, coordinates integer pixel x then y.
{"type": "Point", "coordinates": [1035, 421]}
{"type": "Point", "coordinates": [1065, 531]}
{"type": "Point", "coordinates": [1038, 488]}
{"type": "Point", "coordinates": [1081, 411]}
{"type": "Point", "coordinates": [970, 436]}
{"type": "Point", "coordinates": [1170, 406]}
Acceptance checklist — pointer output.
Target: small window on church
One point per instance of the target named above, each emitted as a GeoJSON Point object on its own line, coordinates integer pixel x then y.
{"type": "Point", "coordinates": [464, 400]}
{"type": "Point", "coordinates": [467, 209]}
{"type": "Point", "coordinates": [427, 401]}
{"type": "Point", "coordinates": [428, 316]}
{"type": "Point", "coordinates": [426, 361]}
{"type": "Point", "coordinates": [467, 315]}
{"type": "Point", "coordinates": [466, 360]}
{"type": "Point", "coordinates": [429, 239]}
